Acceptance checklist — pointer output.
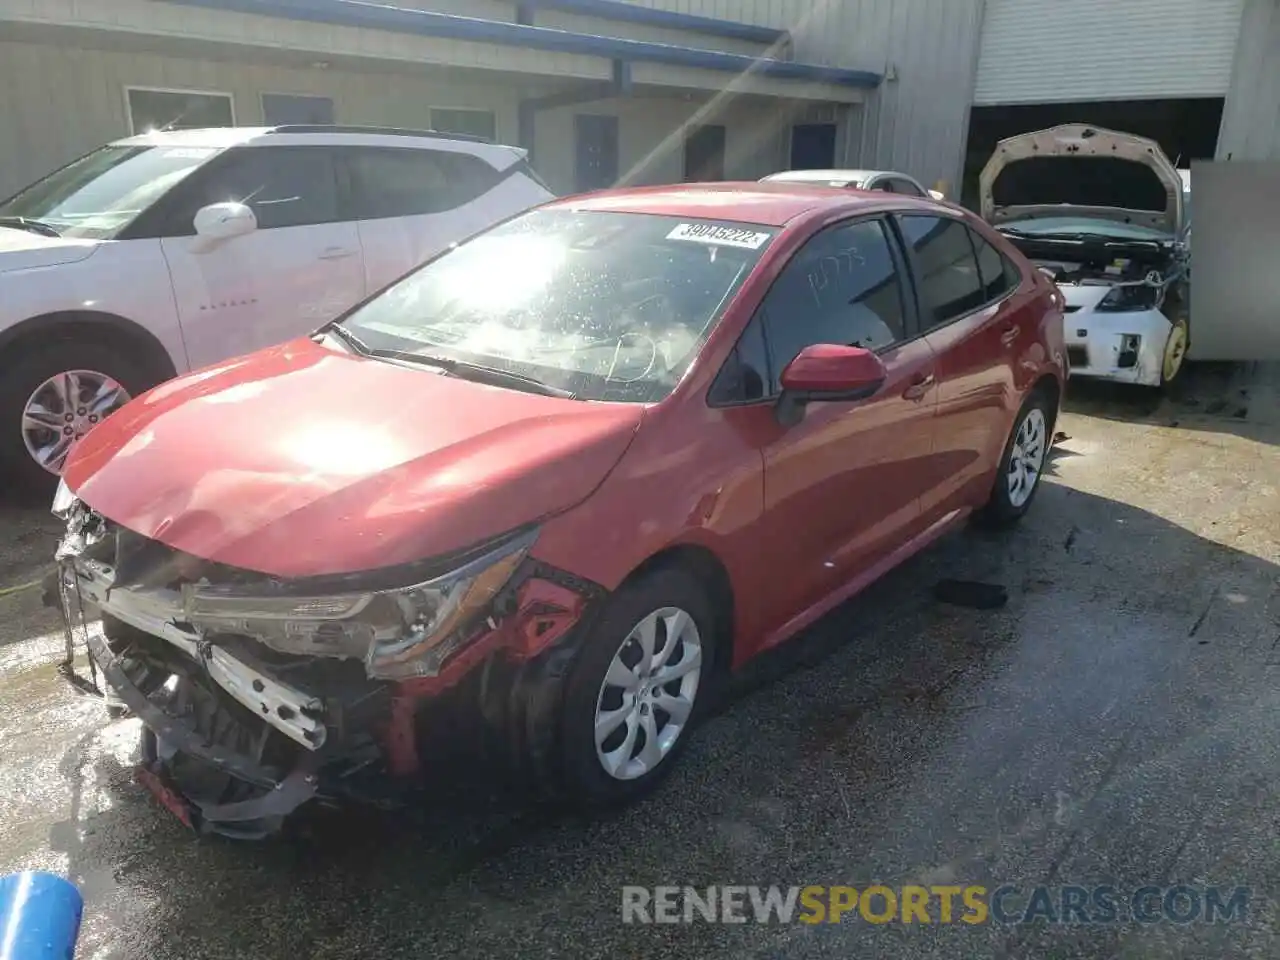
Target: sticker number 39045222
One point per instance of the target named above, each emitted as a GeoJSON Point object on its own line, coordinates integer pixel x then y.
{"type": "Point", "coordinates": [718, 235]}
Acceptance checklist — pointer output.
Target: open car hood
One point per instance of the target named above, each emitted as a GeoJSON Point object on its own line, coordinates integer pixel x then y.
{"type": "Point", "coordinates": [1100, 196]}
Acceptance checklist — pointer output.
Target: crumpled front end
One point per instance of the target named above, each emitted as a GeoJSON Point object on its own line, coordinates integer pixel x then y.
{"type": "Point", "coordinates": [260, 695]}
{"type": "Point", "coordinates": [1126, 346]}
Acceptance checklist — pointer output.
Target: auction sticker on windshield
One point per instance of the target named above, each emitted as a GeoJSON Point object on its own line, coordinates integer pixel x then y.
{"type": "Point", "coordinates": [718, 235]}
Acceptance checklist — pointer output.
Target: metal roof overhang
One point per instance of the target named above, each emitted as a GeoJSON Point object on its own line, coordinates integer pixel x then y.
{"type": "Point", "coordinates": [623, 12]}
{"type": "Point", "coordinates": [377, 16]}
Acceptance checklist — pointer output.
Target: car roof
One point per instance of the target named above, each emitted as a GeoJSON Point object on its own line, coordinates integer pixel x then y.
{"type": "Point", "coordinates": [799, 176]}
{"type": "Point", "coordinates": [772, 204]}
{"type": "Point", "coordinates": [204, 137]}
{"type": "Point", "coordinates": [218, 138]}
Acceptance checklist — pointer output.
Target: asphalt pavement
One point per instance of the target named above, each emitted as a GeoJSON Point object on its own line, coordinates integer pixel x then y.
{"type": "Point", "coordinates": [1115, 723]}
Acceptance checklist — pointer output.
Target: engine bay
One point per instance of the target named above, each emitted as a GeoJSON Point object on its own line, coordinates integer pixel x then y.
{"type": "Point", "coordinates": [1070, 261]}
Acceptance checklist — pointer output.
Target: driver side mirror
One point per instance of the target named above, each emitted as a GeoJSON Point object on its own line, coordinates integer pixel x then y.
{"type": "Point", "coordinates": [220, 222]}
{"type": "Point", "coordinates": [828, 372]}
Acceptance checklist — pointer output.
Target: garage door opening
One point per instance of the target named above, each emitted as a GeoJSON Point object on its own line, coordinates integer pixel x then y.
{"type": "Point", "coordinates": [1185, 129]}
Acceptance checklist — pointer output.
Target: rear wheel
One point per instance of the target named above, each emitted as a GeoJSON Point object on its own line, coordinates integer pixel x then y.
{"type": "Point", "coordinates": [640, 682]}
{"type": "Point", "coordinates": [1021, 466]}
{"type": "Point", "coordinates": [53, 394]}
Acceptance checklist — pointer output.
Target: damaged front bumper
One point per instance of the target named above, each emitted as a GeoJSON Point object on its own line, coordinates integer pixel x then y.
{"type": "Point", "coordinates": [243, 725]}
{"type": "Point", "coordinates": [1124, 347]}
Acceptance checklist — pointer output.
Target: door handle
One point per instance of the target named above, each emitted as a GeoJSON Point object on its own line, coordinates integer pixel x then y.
{"type": "Point", "coordinates": [1008, 336]}
{"type": "Point", "coordinates": [919, 387]}
{"type": "Point", "coordinates": [336, 253]}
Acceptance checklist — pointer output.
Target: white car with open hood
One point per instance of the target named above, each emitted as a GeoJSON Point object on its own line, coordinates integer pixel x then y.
{"type": "Point", "coordinates": [1107, 215]}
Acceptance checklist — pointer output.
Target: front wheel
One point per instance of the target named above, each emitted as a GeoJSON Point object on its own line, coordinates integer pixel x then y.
{"type": "Point", "coordinates": [641, 681]}
{"type": "Point", "coordinates": [1175, 352]}
{"type": "Point", "coordinates": [1022, 464]}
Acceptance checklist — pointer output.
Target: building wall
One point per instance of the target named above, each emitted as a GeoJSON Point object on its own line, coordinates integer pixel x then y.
{"type": "Point", "coordinates": [1046, 51]}
{"type": "Point", "coordinates": [650, 139]}
{"type": "Point", "coordinates": [57, 103]}
{"type": "Point", "coordinates": [1251, 117]}
{"type": "Point", "coordinates": [915, 122]}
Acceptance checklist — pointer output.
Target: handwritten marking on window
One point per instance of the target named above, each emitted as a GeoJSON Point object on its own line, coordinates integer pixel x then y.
{"type": "Point", "coordinates": [832, 267]}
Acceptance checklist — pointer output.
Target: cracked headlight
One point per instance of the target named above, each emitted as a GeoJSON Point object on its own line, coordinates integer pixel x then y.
{"type": "Point", "coordinates": [398, 633]}
{"type": "Point", "coordinates": [63, 500]}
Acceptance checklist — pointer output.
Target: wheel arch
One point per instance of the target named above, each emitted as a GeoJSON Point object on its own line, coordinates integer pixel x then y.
{"type": "Point", "coordinates": [706, 567]}
{"type": "Point", "coordinates": [1051, 387]}
{"type": "Point", "coordinates": [96, 326]}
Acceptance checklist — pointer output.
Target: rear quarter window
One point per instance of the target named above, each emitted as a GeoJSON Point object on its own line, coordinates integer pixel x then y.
{"type": "Point", "coordinates": [405, 182]}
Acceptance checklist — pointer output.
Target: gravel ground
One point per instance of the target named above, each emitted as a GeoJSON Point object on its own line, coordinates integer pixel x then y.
{"type": "Point", "coordinates": [1113, 723]}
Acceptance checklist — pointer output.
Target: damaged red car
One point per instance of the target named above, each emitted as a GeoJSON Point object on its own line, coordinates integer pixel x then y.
{"type": "Point", "coordinates": [550, 489]}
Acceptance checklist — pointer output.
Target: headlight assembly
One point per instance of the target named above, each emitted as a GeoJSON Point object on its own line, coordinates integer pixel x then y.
{"type": "Point", "coordinates": [1131, 297]}
{"type": "Point", "coordinates": [398, 633]}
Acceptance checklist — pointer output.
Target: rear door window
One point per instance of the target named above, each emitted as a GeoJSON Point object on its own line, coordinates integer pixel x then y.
{"type": "Point", "coordinates": [406, 182]}
{"type": "Point", "coordinates": [997, 273]}
{"type": "Point", "coordinates": [906, 188]}
{"type": "Point", "coordinates": [946, 268]}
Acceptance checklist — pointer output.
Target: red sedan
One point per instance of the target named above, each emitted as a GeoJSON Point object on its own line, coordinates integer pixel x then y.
{"type": "Point", "coordinates": [563, 478]}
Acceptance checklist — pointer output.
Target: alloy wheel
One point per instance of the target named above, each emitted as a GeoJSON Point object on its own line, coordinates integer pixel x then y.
{"type": "Point", "coordinates": [63, 409]}
{"type": "Point", "coordinates": [1026, 458]}
{"type": "Point", "coordinates": [648, 693]}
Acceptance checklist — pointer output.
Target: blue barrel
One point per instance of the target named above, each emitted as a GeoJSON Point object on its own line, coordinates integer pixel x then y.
{"type": "Point", "coordinates": [39, 917]}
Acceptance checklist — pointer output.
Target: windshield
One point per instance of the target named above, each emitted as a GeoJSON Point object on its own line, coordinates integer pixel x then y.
{"type": "Point", "coordinates": [1076, 226]}
{"type": "Point", "coordinates": [608, 306]}
{"type": "Point", "coordinates": [100, 194]}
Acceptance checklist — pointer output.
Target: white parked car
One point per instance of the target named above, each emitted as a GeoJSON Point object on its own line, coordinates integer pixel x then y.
{"type": "Point", "coordinates": [889, 181]}
{"type": "Point", "coordinates": [170, 251]}
{"type": "Point", "coordinates": [1108, 216]}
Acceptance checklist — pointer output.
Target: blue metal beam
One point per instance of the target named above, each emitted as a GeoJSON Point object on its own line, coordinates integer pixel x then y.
{"type": "Point", "coordinates": [632, 13]}
{"type": "Point", "coordinates": [377, 16]}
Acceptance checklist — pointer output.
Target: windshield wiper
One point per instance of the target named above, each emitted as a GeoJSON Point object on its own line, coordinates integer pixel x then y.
{"type": "Point", "coordinates": [481, 372]}
{"type": "Point", "coordinates": [449, 365]}
{"type": "Point", "coordinates": [33, 226]}
{"type": "Point", "coordinates": [349, 338]}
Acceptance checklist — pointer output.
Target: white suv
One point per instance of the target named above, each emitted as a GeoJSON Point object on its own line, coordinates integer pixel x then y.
{"type": "Point", "coordinates": [173, 250]}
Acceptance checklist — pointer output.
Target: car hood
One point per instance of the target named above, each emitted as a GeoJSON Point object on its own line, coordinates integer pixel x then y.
{"type": "Point", "coordinates": [23, 250]}
{"type": "Point", "coordinates": [1078, 142]}
{"type": "Point", "coordinates": [302, 461]}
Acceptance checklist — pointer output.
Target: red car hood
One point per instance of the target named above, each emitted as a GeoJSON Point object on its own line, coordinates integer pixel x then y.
{"type": "Point", "coordinates": [299, 461]}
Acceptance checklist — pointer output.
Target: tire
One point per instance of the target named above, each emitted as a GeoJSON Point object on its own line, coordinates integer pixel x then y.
{"type": "Point", "coordinates": [586, 782]}
{"type": "Point", "coordinates": [1007, 503]}
{"type": "Point", "coordinates": [25, 372]}
{"type": "Point", "coordinates": [1175, 349]}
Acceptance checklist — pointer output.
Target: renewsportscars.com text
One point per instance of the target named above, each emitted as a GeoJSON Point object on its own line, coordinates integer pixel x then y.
{"type": "Point", "coordinates": [971, 904]}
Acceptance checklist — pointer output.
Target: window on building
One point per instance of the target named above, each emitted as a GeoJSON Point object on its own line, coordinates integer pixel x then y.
{"type": "Point", "coordinates": [841, 287]}
{"type": "Point", "coordinates": [471, 123]}
{"type": "Point", "coordinates": [177, 109]}
{"type": "Point", "coordinates": [399, 182]}
{"type": "Point", "coordinates": [704, 150]}
{"type": "Point", "coordinates": [284, 186]}
{"type": "Point", "coordinates": [282, 108]}
{"type": "Point", "coordinates": [946, 268]}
